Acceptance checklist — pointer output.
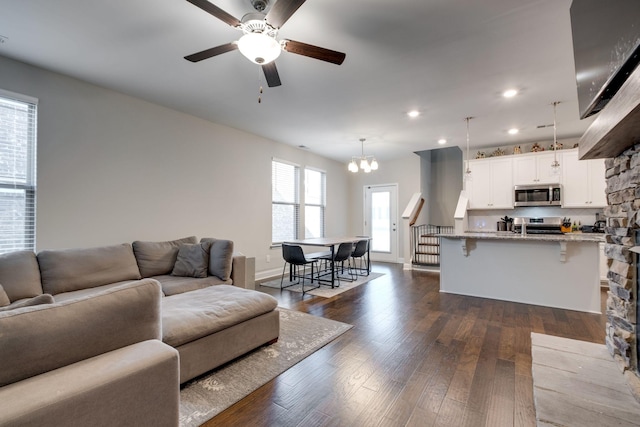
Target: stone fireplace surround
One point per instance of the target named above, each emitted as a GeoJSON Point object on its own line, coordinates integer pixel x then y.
{"type": "Point", "coordinates": [622, 224]}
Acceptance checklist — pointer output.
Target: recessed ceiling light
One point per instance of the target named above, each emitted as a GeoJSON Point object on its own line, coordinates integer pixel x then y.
{"type": "Point", "coordinates": [413, 113]}
{"type": "Point", "coordinates": [510, 93]}
{"type": "Point", "coordinates": [513, 131]}
{"type": "Point", "coordinates": [442, 141]}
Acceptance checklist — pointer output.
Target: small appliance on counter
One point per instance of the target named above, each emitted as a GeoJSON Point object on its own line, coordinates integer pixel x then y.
{"type": "Point", "coordinates": [539, 225]}
{"type": "Point", "coordinates": [597, 227]}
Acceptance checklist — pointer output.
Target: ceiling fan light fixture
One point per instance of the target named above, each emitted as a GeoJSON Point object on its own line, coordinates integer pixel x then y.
{"type": "Point", "coordinates": [259, 48]}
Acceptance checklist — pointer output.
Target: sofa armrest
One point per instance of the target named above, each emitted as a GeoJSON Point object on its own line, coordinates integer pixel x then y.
{"type": "Point", "coordinates": [134, 385]}
{"type": "Point", "coordinates": [38, 339]}
{"type": "Point", "coordinates": [239, 270]}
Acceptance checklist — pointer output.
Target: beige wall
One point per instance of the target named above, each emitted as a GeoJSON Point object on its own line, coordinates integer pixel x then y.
{"type": "Point", "coordinates": [405, 172]}
{"type": "Point", "coordinates": [113, 168]}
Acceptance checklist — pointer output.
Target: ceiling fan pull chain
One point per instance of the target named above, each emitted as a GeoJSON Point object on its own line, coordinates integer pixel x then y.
{"type": "Point", "coordinates": [260, 85]}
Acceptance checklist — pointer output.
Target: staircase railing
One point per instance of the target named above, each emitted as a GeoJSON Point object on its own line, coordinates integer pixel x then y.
{"type": "Point", "coordinates": [426, 243]}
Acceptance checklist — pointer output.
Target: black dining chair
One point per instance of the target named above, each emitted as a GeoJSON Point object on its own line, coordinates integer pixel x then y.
{"type": "Point", "coordinates": [294, 256]}
{"type": "Point", "coordinates": [360, 252]}
{"type": "Point", "coordinates": [342, 254]}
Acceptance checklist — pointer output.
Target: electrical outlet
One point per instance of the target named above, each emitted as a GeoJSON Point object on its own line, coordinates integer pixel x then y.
{"type": "Point", "coordinates": [268, 258]}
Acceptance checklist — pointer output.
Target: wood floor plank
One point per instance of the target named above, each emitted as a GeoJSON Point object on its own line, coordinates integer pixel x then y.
{"type": "Point", "coordinates": [415, 357]}
{"type": "Point", "coordinates": [502, 403]}
{"type": "Point", "coordinates": [524, 409]}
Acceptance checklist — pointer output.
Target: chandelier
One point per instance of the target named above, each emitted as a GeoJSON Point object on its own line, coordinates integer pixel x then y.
{"type": "Point", "coordinates": [367, 163]}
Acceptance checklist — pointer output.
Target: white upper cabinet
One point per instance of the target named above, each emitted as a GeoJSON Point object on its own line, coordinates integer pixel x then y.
{"type": "Point", "coordinates": [491, 186]}
{"type": "Point", "coordinates": [534, 168]}
{"type": "Point", "coordinates": [583, 181]}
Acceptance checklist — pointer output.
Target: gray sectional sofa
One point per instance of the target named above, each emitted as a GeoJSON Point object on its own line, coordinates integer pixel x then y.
{"type": "Point", "coordinates": [135, 319]}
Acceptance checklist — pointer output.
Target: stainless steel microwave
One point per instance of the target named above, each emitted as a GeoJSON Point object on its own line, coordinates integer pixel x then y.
{"type": "Point", "coordinates": [537, 195]}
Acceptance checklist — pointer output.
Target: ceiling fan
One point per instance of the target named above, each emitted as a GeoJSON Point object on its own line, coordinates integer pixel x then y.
{"type": "Point", "coordinates": [259, 43]}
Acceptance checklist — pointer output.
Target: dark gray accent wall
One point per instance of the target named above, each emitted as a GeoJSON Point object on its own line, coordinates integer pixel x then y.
{"type": "Point", "coordinates": [440, 184]}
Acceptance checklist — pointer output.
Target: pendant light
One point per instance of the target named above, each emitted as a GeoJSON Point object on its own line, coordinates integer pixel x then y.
{"type": "Point", "coordinates": [467, 172]}
{"type": "Point", "coordinates": [367, 163]}
{"type": "Point", "coordinates": [555, 166]}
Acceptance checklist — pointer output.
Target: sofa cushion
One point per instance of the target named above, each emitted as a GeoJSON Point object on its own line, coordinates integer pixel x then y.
{"type": "Point", "coordinates": [82, 293]}
{"type": "Point", "coordinates": [189, 316]}
{"type": "Point", "coordinates": [172, 285]}
{"type": "Point", "coordinates": [68, 270]}
{"type": "Point", "coordinates": [157, 258]}
{"type": "Point", "coordinates": [38, 339]}
{"type": "Point", "coordinates": [20, 275]}
{"type": "Point", "coordinates": [220, 257]}
{"type": "Point", "coordinates": [4, 298]}
{"type": "Point", "coordinates": [192, 260]}
{"type": "Point", "coordinates": [29, 302]}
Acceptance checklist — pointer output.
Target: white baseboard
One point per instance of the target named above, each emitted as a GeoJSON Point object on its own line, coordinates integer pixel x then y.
{"type": "Point", "coordinates": [269, 274]}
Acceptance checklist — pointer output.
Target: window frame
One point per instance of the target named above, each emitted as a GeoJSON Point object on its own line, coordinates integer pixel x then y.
{"type": "Point", "coordinates": [295, 204]}
{"type": "Point", "coordinates": [29, 184]}
{"type": "Point", "coordinates": [322, 205]}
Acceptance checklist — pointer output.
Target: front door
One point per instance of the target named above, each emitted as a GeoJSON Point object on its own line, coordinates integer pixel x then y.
{"type": "Point", "coordinates": [381, 220]}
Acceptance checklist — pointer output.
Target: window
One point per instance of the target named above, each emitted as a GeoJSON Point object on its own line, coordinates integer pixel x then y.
{"type": "Point", "coordinates": [314, 203]}
{"type": "Point", "coordinates": [17, 172]}
{"type": "Point", "coordinates": [285, 201]}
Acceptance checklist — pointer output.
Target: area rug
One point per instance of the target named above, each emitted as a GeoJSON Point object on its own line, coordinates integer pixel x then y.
{"type": "Point", "coordinates": [324, 290]}
{"type": "Point", "coordinates": [301, 334]}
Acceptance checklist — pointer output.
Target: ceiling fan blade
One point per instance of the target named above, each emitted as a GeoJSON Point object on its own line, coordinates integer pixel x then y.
{"type": "Point", "coordinates": [271, 74]}
{"type": "Point", "coordinates": [314, 52]}
{"type": "Point", "coordinates": [281, 11]}
{"type": "Point", "coordinates": [206, 54]}
{"type": "Point", "coordinates": [216, 11]}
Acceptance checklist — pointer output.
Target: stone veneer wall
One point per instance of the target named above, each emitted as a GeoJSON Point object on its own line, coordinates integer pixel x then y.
{"type": "Point", "coordinates": [623, 219]}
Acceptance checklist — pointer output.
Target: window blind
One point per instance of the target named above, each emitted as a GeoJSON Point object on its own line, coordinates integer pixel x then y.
{"type": "Point", "coordinates": [18, 123]}
{"type": "Point", "coordinates": [315, 200]}
{"type": "Point", "coordinates": [285, 201]}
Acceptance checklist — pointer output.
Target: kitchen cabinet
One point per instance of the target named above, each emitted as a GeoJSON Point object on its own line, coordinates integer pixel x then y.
{"type": "Point", "coordinates": [491, 186]}
{"type": "Point", "coordinates": [583, 181]}
{"type": "Point", "coordinates": [534, 168]}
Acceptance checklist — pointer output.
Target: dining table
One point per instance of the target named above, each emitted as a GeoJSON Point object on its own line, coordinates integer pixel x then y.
{"type": "Point", "coordinates": [332, 243]}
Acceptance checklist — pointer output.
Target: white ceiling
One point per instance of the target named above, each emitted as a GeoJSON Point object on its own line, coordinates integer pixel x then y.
{"type": "Point", "coordinates": [447, 58]}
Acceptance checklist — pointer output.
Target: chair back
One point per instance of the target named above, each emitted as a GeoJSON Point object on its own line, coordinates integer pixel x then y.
{"type": "Point", "coordinates": [293, 254]}
{"type": "Point", "coordinates": [360, 249]}
{"type": "Point", "coordinates": [344, 252]}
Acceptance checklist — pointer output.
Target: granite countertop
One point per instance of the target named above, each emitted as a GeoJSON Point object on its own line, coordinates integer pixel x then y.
{"type": "Point", "coordinates": [507, 235]}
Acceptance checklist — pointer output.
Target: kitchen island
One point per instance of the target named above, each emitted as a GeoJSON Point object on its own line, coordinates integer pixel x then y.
{"type": "Point", "coordinates": [553, 270]}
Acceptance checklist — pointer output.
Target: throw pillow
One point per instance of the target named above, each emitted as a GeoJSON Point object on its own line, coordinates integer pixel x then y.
{"type": "Point", "coordinates": [4, 298]}
{"type": "Point", "coordinates": [158, 258]}
{"type": "Point", "coordinates": [221, 257]}
{"type": "Point", "coordinates": [39, 300]}
{"type": "Point", "coordinates": [192, 260]}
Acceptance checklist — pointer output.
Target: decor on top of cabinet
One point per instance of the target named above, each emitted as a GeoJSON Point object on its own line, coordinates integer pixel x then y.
{"type": "Point", "coordinates": [575, 145]}
{"type": "Point", "coordinates": [517, 150]}
{"type": "Point", "coordinates": [535, 148]}
{"type": "Point", "coordinates": [558, 146]}
{"type": "Point", "coordinates": [498, 152]}
{"type": "Point", "coordinates": [480, 155]}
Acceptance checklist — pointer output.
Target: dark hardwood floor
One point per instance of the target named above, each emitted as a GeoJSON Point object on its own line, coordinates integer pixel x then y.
{"type": "Point", "coordinates": [415, 357]}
